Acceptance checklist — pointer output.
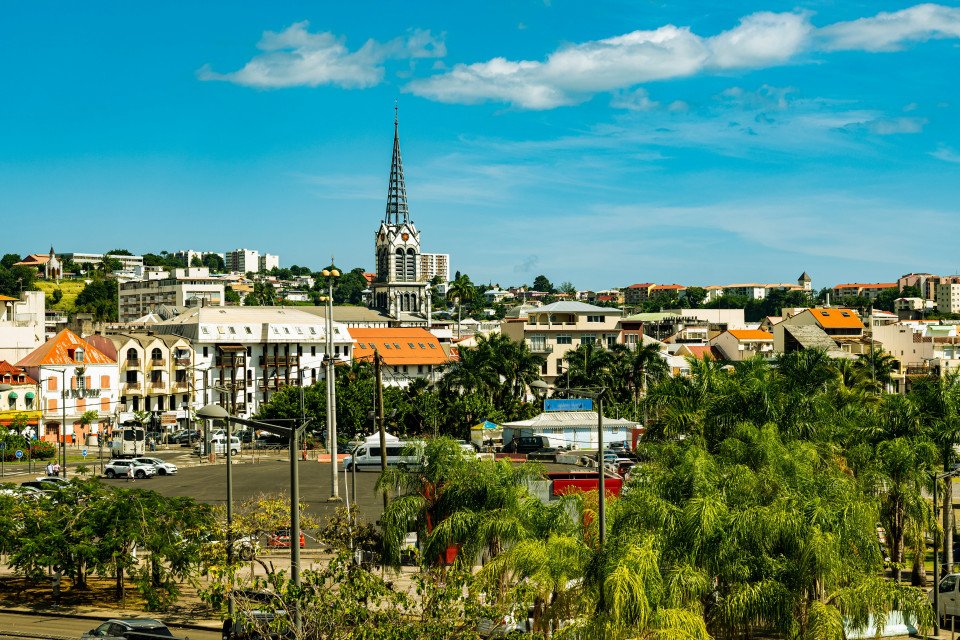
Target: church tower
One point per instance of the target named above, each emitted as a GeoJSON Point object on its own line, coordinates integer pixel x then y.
{"type": "Point", "coordinates": [398, 289]}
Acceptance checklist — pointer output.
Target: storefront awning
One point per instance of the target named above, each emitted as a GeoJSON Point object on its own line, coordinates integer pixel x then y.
{"type": "Point", "coordinates": [231, 347]}
{"type": "Point", "coordinates": [29, 395]}
{"type": "Point", "coordinates": [12, 395]}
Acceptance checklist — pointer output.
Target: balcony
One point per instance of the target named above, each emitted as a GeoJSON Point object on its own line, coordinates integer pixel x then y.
{"type": "Point", "coordinates": [277, 383]}
{"type": "Point", "coordinates": [921, 370]}
{"type": "Point", "coordinates": [158, 386]}
{"type": "Point", "coordinates": [158, 363]}
{"type": "Point", "coordinates": [540, 347]}
{"type": "Point", "coordinates": [133, 363]}
{"type": "Point", "coordinates": [229, 361]}
{"type": "Point", "coordinates": [181, 386]}
{"type": "Point", "coordinates": [134, 388]}
{"type": "Point", "coordinates": [182, 362]}
{"type": "Point", "coordinates": [279, 361]}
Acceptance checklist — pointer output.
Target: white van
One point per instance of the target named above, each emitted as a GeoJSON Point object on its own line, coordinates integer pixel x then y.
{"type": "Point", "coordinates": [367, 455]}
{"type": "Point", "coordinates": [218, 444]}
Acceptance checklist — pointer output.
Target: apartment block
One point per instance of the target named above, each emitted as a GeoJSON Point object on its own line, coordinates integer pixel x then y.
{"type": "Point", "coordinates": [267, 261]}
{"type": "Point", "coordinates": [948, 298]}
{"type": "Point", "coordinates": [243, 260]}
{"type": "Point", "coordinates": [433, 265]}
{"type": "Point", "coordinates": [128, 262]}
{"type": "Point", "coordinates": [185, 288]}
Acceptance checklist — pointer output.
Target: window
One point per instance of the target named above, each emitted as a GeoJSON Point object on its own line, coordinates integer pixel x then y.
{"type": "Point", "coordinates": [362, 346]}
{"type": "Point", "coordinates": [564, 340]}
{"type": "Point", "coordinates": [206, 352]}
{"type": "Point", "coordinates": [233, 330]}
{"type": "Point", "coordinates": [78, 355]}
{"type": "Point", "coordinates": [371, 345]}
{"type": "Point", "coordinates": [313, 331]}
{"type": "Point", "coordinates": [421, 345]}
{"type": "Point", "coordinates": [411, 345]}
{"type": "Point", "coordinates": [300, 330]}
{"type": "Point", "coordinates": [419, 368]}
{"type": "Point", "coordinates": [286, 330]}
{"type": "Point", "coordinates": [432, 346]}
{"type": "Point", "coordinates": [396, 346]}
{"type": "Point", "coordinates": [387, 345]}
{"type": "Point", "coordinates": [313, 350]}
{"type": "Point", "coordinates": [594, 318]}
{"type": "Point", "coordinates": [588, 339]}
{"type": "Point", "coordinates": [220, 330]}
{"type": "Point", "coordinates": [248, 330]}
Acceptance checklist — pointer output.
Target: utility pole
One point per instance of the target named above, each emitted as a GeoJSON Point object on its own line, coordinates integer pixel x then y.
{"type": "Point", "coordinates": [378, 368]}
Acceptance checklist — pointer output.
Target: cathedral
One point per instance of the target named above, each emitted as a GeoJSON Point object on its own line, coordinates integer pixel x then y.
{"type": "Point", "coordinates": [399, 290]}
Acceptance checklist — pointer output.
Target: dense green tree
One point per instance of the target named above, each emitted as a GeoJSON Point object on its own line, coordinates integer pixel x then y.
{"type": "Point", "coordinates": [214, 262]}
{"type": "Point", "coordinates": [694, 297]}
{"type": "Point", "coordinates": [14, 280]}
{"type": "Point", "coordinates": [99, 297]}
{"type": "Point", "coordinates": [541, 283]}
{"type": "Point", "coordinates": [461, 291]}
{"type": "Point", "coordinates": [9, 260]}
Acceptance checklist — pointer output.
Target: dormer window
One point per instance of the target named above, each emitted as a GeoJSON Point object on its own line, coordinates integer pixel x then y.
{"type": "Point", "coordinates": [78, 354]}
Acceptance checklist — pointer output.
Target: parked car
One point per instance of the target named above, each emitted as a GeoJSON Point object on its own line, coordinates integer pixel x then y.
{"type": "Point", "coordinates": [55, 482]}
{"type": "Point", "coordinates": [527, 444]}
{"type": "Point", "coordinates": [184, 438]}
{"type": "Point", "coordinates": [281, 540]}
{"type": "Point", "coordinates": [120, 469]}
{"type": "Point", "coordinates": [246, 435]}
{"type": "Point", "coordinates": [218, 444]}
{"type": "Point", "coordinates": [132, 629]}
{"type": "Point", "coordinates": [548, 454]}
{"type": "Point", "coordinates": [20, 491]}
{"type": "Point", "coordinates": [271, 441]}
{"type": "Point", "coordinates": [164, 468]}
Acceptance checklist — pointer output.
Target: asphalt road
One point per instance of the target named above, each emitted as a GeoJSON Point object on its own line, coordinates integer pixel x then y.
{"type": "Point", "coordinates": [208, 483]}
{"type": "Point", "coordinates": [26, 626]}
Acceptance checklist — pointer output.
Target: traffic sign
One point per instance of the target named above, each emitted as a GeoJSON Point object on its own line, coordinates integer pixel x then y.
{"type": "Point", "coordinates": [84, 453]}
{"type": "Point", "coordinates": [3, 446]}
{"type": "Point", "coordinates": [19, 454]}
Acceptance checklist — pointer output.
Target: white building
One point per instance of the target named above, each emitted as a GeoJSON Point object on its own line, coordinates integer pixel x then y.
{"type": "Point", "coordinates": [186, 288]}
{"type": "Point", "coordinates": [242, 261]}
{"type": "Point", "coordinates": [433, 265]}
{"type": "Point", "coordinates": [267, 262]}
{"type": "Point", "coordinates": [22, 325]}
{"type": "Point", "coordinates": [128, 262]}
{"type": "Point", "coordinates": [574, 429]}
{"type": "Point", "coordinates": [948, 298]}
{"type": "Point", "coordinates": [254, 352]}
{"type": "Point", "coordinates": [74, 378]}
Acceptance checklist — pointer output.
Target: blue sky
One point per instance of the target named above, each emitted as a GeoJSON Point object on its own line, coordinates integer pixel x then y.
{"type": "Point", "coordinates": [603, 143]}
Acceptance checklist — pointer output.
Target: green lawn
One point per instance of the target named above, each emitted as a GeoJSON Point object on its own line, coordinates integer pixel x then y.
{"type": "Point", "coordinates": [70, 288]}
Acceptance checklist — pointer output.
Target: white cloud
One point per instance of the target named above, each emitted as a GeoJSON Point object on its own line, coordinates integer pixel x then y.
{"type": "Point", "coordinates": [296, 57]}
{"type": "Point", "coordinates": [574, 73]}
{"type": "Point", "coordinates": [946, 154]}
{"type": "Point", "coordinates": [760, 40]}
{"type": "Point", "coordinates": [893, 126]}
{"type": "Point", "coordinates": [890, 31]}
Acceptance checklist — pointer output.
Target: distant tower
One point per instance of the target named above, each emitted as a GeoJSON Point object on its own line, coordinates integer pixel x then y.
{"type": "Point", "coordinates": [53, 269]}
{"type": "Point", "coordinates": [397, 289]}
{"type": "Point", "coordinates": [804, 281]}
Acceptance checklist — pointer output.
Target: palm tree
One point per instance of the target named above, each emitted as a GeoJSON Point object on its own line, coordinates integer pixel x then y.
{"type": "Point", "coordinates": [877, 366]}
{"type": "Point", "coordinates": [461, 290]}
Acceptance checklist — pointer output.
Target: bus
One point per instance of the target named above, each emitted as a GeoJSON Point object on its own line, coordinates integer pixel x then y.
{"type": "Point", "coordinates": [128, 441]}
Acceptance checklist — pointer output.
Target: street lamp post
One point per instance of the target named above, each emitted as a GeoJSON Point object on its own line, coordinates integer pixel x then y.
{"type": "Point", "coordinates": [331, 274]}
{"type": "Point", "coordinates": [216, 412]}
{"type": "Point", "coordinates": [937, 477]}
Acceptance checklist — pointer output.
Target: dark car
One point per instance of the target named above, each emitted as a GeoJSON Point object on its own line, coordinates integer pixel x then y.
{"type": "Point", "coordinates": [246, 435]}
{"type": "Point", "coordinates": [271, 441]}
{"type": "Point", "coordinates": [184, 438]}
{"type": "Point", "coordinates": [527, 444]}
{"type": "Point", "coordinates": [129, 629]}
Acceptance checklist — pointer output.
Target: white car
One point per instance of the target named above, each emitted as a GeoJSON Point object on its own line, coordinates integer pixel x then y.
{"type": "Point", "coordinates": [163, 467]}
{"type": "Point", "coordinates": [218, 444]}
{"type": "Point", "coordinates": [121, 468]}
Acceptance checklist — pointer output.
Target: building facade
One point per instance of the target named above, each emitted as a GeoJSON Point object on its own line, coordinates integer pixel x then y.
{"type": "Point", "coordinates": [242, 261]}
{"type": "Point", "coordinates": [22, 324]}
{"type": "Point", "coordinates": [74, 378]}
{"type": "Point", "coordinates": [185, 288]}
{"type": "Point", "coordinates": [93, 259]}
{"type": "Point", "coordinates": [408, 353]}
{"type": "Point", "coordinates": [268, 262]}
{"type": "Point", "coordinates": [435, 265]}
{"type": "Point", "coordinates": [242, 355]}
{"type": "Point", "coordinates": [555, 329]}
{"type": "Point", "coordinates": [948, 298]}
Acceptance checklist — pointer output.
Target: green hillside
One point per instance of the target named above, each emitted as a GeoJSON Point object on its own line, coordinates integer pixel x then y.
{"type": "Point", "coordinates": [70, 288]}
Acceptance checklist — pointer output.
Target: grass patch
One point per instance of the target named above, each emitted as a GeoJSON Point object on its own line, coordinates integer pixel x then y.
{"type": "Point", "coordinates": [70, 289]}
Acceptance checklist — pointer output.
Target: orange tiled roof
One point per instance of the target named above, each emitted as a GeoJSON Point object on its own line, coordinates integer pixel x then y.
{"type": "Point", "coordinates": [33, 260]}
{"type": "Point", "coordinates": [7, 299]}
{"type": "Point", "coordinates": [701, 352]}
{"type": "Point", "coordinates": [60, 349]}
{"type": "Point", "coordinates": [12, 375]}
{"type": "Point", "coordinates": [398, 346]}
{"type": "Point", "coordinates": [837, 318]}
{"type": "Point", "coordinates": [750, 334]}
{"type": "Point", "coordinates": [642, 285]}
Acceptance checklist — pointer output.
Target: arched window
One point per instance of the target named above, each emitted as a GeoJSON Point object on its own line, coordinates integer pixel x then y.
{"type": "Point", "coordinates": [411, 265]}
{"type": "Point", "coordinates": [398, 265]}
{"type": "Point", "coordinates": [131, 355]}
{"type": "Point", "coordinates": [413, 302]}
{"type": "Point", "coordinates": [156, 354]}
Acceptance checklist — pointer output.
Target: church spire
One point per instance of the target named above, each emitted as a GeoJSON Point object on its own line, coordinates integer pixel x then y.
{"type": "Point", "coordinates": [397, 212]}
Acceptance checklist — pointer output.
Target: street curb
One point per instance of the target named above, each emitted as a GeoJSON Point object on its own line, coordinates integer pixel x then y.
{"type": "Point", "coordinates": [217, 626]}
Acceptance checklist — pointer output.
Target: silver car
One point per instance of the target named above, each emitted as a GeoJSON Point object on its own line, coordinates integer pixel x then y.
{"type": "Point", "coordinates": [121, 469]}
{"type": "Point", "coordinates": [163, 467]}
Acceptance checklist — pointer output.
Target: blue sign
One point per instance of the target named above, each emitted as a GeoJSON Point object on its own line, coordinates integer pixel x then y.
{"type": "Point", "coordinates": [3, 445]}
{"type": "Point", "coordinates": [568, 404]}
{"type": "Point", "coordinates": [19, 454]}
{"type": "Point", "coordinates": [84, 453]}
